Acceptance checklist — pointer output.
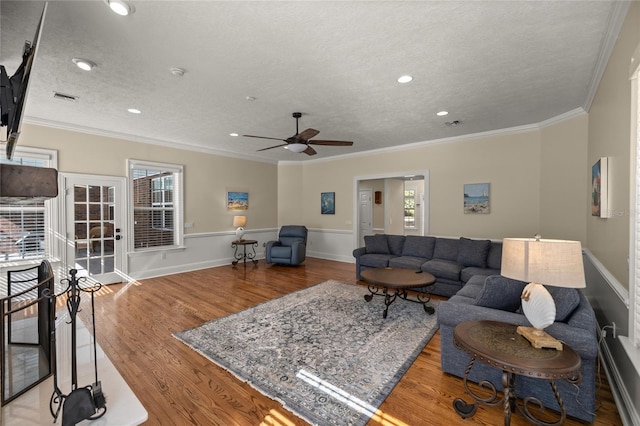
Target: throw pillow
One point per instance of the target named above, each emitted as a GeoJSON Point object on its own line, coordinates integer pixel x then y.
{"type": "Point", "coordinates": [446, 249]}
{"type": "Point", "coordinates": [376, 244]}
{"type": "Point", "coordinates": [395, 243]}
{"type": "Point", "coordinates": [500, 293]}
{"type": "Point", "coordinates": [473, 252]}
{"type": "Point", "coordinates": [418, 246]}
{"type": "Point", "coordinates": [566, 299]}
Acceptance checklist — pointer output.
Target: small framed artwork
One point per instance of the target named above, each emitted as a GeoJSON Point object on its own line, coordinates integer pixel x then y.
{"type": "Point", "coordinates": [600, 188]}
{"type": "Point", "coordinates": [237, 200]}
{"type": "Point", "coordinates": [328, 203]}
{"type": "Point", "coordinates": [476, 198]}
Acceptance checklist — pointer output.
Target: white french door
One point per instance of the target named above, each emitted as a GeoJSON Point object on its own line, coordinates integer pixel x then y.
{"type": "Point", "coordinates": [94, 222]}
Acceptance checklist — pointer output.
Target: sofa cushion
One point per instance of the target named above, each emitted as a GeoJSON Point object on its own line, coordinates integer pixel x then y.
{"type": "Point", "coordinates": [501, 293]}
{"type": "Point", "coordinates": [471, 271]}
{"type": "Point", "coordinates": [440, 268]}
{"type": "Point", "coordinates": [494, 259]}
{"type": "Point", "coordinates": [376, 244]}
{"type": "Point", "coordinates": [472, 288]}
{"type": "Point", "coordinates": [407, 262]}
{"type": "Point", "coordinates": [419, 246]}
{"type": "Point", "coordinates": [473, 252]}
{"type": "Point", "coordinates": [375, 260]}
{"type": "Point", "coordinates": [566, 299]}
{"type": "Point", "coordinates": [446, 249]}
{"type": "Point", "coordinates": [395, 243]}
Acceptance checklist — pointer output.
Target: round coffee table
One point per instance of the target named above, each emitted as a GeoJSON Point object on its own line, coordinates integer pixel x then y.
{"type": "Point", "coordinates": [381, 280]}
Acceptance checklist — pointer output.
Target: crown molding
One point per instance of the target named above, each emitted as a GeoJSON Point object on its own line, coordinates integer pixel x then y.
{"type": "Point", "coordinates": [142, 139]}
{"type": "Point", "coordinates": [498, 132]}
{"type": "Point", "coordinates": [614, 26]}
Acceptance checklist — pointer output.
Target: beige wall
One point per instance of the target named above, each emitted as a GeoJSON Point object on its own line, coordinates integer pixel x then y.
{"type": "Point", "coordinates": [564, 180]}
{"type": "Point", "coordinates": [609, 136]}
{"type": "Point", "coordinates": [207, 178]}
{"type": "Point", "coordinates": [510, 162]}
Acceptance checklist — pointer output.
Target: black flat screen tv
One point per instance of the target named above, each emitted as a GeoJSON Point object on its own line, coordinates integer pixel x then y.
{"type": "Point", "coordinates": [13, 92]}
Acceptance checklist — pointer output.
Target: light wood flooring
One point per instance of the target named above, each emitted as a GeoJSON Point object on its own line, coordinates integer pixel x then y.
{"type": "Point", "coordinates": [178, 386]}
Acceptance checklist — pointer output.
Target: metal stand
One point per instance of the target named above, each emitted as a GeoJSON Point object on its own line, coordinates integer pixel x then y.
{"type": "Point", "coordinates": [88, 403]}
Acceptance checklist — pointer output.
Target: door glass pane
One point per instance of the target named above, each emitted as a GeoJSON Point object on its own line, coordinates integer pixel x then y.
{"type": "Point", "coordinates": [94, 229]}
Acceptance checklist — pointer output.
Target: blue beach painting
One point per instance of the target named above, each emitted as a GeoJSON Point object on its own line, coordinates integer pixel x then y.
{"type": "Point", "coordinates": [237, 200]}
{"type": "Point", "coordinates": [476, 198]}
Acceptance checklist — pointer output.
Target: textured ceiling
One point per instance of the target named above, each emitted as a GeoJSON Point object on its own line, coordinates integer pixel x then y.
{"type": "Point", "coordinates": [491, 64]}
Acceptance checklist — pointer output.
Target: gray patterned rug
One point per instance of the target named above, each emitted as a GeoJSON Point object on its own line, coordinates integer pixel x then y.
{"type": "Point", "coordinates": [323, 352]}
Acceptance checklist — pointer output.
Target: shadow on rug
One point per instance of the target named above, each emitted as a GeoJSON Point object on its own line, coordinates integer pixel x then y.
{"type": "Point", "coordinates": [323, 352]}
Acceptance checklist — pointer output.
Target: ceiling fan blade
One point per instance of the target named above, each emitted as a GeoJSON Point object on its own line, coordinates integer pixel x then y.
{"type": "Point", "coordinates": [310, 151]}
{"type": "Point", "coordinates": [308, 134]}
{"type": "Point", "coordinates": [264, 137]}
{"type": "Point", "coordinates": [275, 146]}
{"type": "Point", "coordinates": [331, 143]}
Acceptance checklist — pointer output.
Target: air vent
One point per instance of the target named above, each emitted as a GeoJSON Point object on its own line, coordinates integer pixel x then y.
{"type": "Point", "coordinates": [62, 96]}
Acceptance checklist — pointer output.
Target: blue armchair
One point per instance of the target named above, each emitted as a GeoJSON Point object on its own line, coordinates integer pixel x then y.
{"type": "Point", "coordinates": [290, 248]}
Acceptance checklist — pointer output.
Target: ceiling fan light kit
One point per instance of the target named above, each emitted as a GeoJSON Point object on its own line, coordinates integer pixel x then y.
{"type": "Point", "coordinates": [296, 147]}
{"type": "Point", "coordinates": [300, 142]}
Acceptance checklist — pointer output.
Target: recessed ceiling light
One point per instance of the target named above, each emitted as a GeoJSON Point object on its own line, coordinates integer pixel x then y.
{"type": "Point", "coordinates": [178, 72]}
{"type": "Point", "coordinates": [442, 113]}
{"type": "Point", "coordinates": [120, 7]}
{"type": "Point", "coordinates": [250, 98]}
{"type": "Point", "coordinates": [234, 134]}
{"type": "Point", "coordinates": [134, 111]}
{"type": "Point", "coordinates": [84, 64]}
{"type": "Point", "coordinates": [404, 79]}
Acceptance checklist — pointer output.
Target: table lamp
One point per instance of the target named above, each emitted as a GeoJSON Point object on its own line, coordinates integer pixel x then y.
{"type": "Point", "coordinates": [555, 263]}
{"type": "Point", "coordinates": [240, 222]}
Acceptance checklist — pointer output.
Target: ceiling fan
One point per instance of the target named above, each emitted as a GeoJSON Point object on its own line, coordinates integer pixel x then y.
{"type": "Point", "coordinates": [300, 141]}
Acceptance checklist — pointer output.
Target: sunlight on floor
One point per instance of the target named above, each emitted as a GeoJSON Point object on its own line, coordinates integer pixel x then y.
{"type": "Point", "coordinates": [275, 418]}
{"type": "Point", "coordinates": [352, 401]}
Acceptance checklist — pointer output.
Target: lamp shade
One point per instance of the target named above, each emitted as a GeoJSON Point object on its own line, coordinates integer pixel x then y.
{"type": "Point", "coordinates": [550, 262]}
{"type": "Point", "coordinates": [239, 221]}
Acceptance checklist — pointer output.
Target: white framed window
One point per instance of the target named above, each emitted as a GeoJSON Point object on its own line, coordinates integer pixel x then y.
{"type": "Point", "coordinates": [25, 228]}
{"type": "Point", "coordinates": [156, 205]}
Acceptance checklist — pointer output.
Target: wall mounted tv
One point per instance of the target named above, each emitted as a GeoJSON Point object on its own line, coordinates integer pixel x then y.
{"type": "Point", "coordinates": [13, 92]}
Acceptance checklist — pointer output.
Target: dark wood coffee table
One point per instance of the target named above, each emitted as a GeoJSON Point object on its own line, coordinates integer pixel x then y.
{"type": "Point", "coordinates": [381, 280]}
{"type": "Point", "coordinates": [499, 345]}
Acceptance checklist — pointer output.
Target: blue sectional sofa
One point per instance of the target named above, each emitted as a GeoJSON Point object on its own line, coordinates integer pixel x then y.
{"type": "Point", "coordinates": [453, 261]}
{"type": "Point", "coordinates": [497, 298]}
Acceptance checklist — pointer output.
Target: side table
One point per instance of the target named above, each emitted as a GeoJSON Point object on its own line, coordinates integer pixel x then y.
{"type": "Point", "coordinates": [499, 345]}
{"type": "Point", "coordinates": [243, 255]}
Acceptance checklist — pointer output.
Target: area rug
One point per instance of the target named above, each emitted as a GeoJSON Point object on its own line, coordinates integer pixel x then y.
{"type": "Point", "coordinates": [323, 352]}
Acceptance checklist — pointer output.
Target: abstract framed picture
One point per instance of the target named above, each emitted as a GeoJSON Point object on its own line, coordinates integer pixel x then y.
{"type": "Point", "coordinates": [476, 198]}
{"type": "Point", "coordinates": [328, 203]}
{"type": "Point", "coordinates": [237, 200]}
{"type": "Point", "coordinates": [600, 188]}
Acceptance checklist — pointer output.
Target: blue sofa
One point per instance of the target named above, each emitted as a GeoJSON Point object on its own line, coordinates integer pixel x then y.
{"type": "Point", "coordinates": [497, 298]}
{"type": "Point", "coordinates": [453, 261]}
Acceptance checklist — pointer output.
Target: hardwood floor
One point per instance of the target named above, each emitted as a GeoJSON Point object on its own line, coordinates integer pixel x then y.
{"type": "Point", "coordinates": [178, 386]}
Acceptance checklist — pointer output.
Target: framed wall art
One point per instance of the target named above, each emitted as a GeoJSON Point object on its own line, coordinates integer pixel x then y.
{"type": "Point", "coordinates": [328, 203]}
{"type": "Point", "coordinates": [237, 200]}
{"type": "Point", "coordinates": [476, 198]}
{"type": "Point", "coordinates": [600, 188]}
